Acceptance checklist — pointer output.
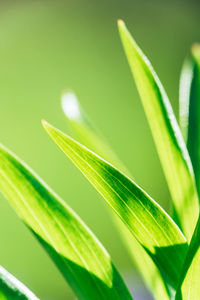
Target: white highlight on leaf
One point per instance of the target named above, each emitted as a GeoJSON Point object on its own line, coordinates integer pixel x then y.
{"type": "Point", "coordinates": [70, 106]}
{"type": "Point", "coordinates": [15, 284]}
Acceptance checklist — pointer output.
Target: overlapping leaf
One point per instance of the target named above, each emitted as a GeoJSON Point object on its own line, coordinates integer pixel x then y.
{"type": "Point", "coordinates": [189, 287]}
{"type": "Point", "coordinates": [190, 108]}
{"type": "Point", "coordinates": [13, 289]}
{"type": "Point", "coordinates": [80, 257]}
{"type": "Point", "coordinates": [88, 136]}
{"type": "Point", "coordinates": [167, 136]}
{"type": "Point", "coordinates": [152, 227]}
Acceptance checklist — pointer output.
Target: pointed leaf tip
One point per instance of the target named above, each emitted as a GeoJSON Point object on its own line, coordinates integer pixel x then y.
{"type": "Point", "coordinates": [166, 133]}
{"type": "Point", "coordinates": [45, 124]}
{"type": "Point", "coordinates": [131, 204]}
{"type": "Point", "coordinates": [84, 263]}
{"type": "Point", "coordinates": [121, 24]}
{"type": "Point", "coordinates": [48, 127]}
{"type": "Point", "coordinates": [88, 135]}
{"type": "Point", "coordinates": [196, 51]}
{"type": "Point", "coordinates": [120, 21]}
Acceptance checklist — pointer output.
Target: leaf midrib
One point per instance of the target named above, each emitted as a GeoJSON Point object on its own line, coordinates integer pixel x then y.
{"type": "Point", "coordinates": [49, 237]}
{"type": "Point", "coordinates": [171, 243]}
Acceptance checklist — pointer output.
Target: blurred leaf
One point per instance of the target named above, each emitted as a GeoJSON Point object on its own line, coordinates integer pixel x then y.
{"type": "Point", "coordinates": [85, 131]}
{"type": "Point", "coordinates": [189, 287]}
{"type": "Point", "coordinates": [88, 135]}
{"type": "Point", "coordinates": [13, 289]}
{"type": "Point", "coordinates": [167, 136]}
{"type": "Point", "coordinates": [185, 94]}
{"type": "Point", "coordinates": [78, 254]}
{"type": "Point", "coordinates": [190, 108]}
{"type": "Point", "coordinates": [152, 227]}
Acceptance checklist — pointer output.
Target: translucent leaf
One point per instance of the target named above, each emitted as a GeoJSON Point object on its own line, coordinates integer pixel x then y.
{"type": "Point", "coordinates": [166, 133]}
{"type": "Point", "coordinates": [91, 138]}
{"type": "Point", "coordinates": [80, 257]}
{"type": "Point", "coordinates": [145, 219]}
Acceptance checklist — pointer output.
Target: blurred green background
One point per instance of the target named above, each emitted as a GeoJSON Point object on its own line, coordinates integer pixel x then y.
{"type": "Point", "coordinates": [48, 46]}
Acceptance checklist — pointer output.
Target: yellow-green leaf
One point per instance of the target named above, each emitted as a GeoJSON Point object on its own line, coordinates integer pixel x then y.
{"type": "Point", "coordinates": [145, 219]}
{"type": "Point", "coordinates": [91, 138]}
{"type": "Point", "coordinates": [189, 111]}
{"type": "Point", "coordinates": [189, 287]}
{"type": "Point", "coordinates": [80, 257]}
{"type": "Point", "coordinates": [166, 133]}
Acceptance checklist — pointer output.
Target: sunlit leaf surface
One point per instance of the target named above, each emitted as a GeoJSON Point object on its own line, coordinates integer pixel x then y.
{"type": "Point", "coordinates": [166, 133]}
{"type": "Point", "coordinates": [91, 138]}
{"type": "Point", "coordinates": [145, 219]}
{"type": "Point", "coordinates": [190, 108]}
{"type": "Point", "coordinates": [189, 287]}
{"type": "Point", "coordinates": [80, 257]}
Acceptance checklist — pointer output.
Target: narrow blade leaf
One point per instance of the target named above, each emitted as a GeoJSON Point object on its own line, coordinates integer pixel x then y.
{"type": "Point", "coordinates": [166, 133]}
{"type": "Point", "coordinates": [88, 135]}
{"type": "Point", "coordinates": [80, 257]}
{"type": "Point", "coordinates": [152, 227]}
{"type": "Point", "coordinates": [189, 287]}
{"type": "Point", "coordinates": [12, 289]}
{"type": "Point", "coordinates": [185, 95]}
{"type": "Point", "coordinates": [190, 108]}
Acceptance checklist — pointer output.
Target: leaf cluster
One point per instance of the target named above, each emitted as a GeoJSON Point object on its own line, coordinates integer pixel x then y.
{"type": "Point", "coordinates": [165, 247]}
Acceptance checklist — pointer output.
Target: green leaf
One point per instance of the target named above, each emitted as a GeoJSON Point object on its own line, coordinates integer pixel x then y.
{"type": "Point", "coordinates": [185, 95]}
{"type": "Point", "coordinates": [88, 135]}
{"type": "Point", "coordinates": [13, 289]}
{"type": "Point", "coordinates": [146, 220]}
{"type": "Point", "coordinates": [166, 133]}
{"type": "Point", "coordinates": [190, 108]}
{"type": "Point", "coordinates": [85, 131]}
{"type": "Point", "coordinates": [189, 287]}
{"type": "Point", "coordinates": [80, 257]}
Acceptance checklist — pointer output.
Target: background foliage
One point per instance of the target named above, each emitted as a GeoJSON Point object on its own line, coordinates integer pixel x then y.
{"type": "Point", "coordinates": [48, 46]}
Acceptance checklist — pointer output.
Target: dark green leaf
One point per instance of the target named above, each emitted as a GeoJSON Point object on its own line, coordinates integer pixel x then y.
{"type": "Point", "coordinates": [190, 108]}
{"type": "Point", "coordinates": [189, 287]}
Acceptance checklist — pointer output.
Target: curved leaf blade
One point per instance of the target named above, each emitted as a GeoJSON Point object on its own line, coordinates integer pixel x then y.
{"type": "Point", "coordinates": [12, 289]}
{"type": "Point", "coordinates": [190, 109]}
{"type": "Point", "coordinates": [145, 219]}
{"type": "Point", "coordinates": [80, 257]}
{"type": "Point", "coordinates": [185, 94]}
{"type": "Point", "coordinates": [88, 136]}
{"type": "Point", "coordinates": [189, 287]}
{"type": "Point", "coordinates": [166, 133]}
